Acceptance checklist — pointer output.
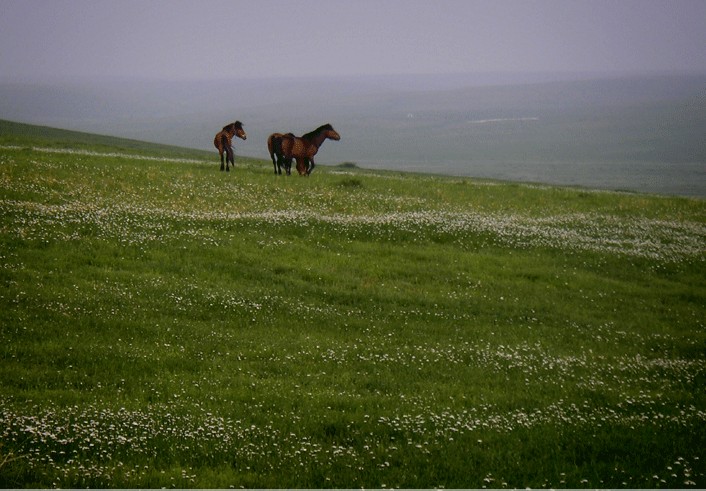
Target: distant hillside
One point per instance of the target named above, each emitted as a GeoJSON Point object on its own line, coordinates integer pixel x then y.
{"type": "Point", "coordinates": [18, 133]}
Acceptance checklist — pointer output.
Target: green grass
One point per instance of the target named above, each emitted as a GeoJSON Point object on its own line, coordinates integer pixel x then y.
{"type": "Point", "coordinates": [163, 324]}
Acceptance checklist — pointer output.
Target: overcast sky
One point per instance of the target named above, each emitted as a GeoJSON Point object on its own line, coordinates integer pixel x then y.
{"type": "Point", "coordinates": [206, 39]}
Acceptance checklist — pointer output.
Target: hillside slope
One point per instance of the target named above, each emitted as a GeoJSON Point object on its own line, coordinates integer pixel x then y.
{"type": "Point", "coordinates": [14, 133]}
{"type": "Point", "coordinates": [165, 324]}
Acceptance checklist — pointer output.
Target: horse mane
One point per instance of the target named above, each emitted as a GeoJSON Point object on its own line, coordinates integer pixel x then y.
{"type": "Point", "coordinates": [236, 124]}
{"type": "Point", "coordinates": [318, 130]}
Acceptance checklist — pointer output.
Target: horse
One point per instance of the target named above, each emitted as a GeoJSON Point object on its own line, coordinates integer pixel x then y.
{"type": "Point", "coordinates": [224, 142]}
{"type": "Point", "coordinates": [274, 146]}
{"type": "Point", "coordinates": [305, 147]}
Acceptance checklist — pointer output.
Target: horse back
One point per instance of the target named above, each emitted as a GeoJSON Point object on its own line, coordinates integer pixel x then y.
{"type": "Point", "coordinates": [294, 146]}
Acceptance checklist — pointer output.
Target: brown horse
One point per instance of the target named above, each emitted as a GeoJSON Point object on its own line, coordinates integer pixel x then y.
{"type": "Point", "coordinates": [304, 148]}
{"type": "Point", "coordinates": [274, 146]}
{"type": "Point", "coordinates": [224, 142]}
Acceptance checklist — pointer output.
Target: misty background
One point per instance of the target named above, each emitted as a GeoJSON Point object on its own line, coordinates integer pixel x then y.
{"type": "Point", "coordinates": [597, 93]}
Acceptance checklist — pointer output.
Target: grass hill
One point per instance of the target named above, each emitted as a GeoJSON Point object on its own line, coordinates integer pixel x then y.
{"type": "Point", "coordinates": [13, 133]}
{"type": "Point", "coordinates": [164, 324]}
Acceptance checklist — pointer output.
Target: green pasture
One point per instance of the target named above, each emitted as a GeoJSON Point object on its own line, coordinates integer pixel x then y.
{"type": "Point", "coordinates": [165, 324]}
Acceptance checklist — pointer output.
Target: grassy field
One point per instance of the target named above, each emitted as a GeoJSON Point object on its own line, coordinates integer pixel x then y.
{"type": "Point", "coordinates": [164, 324]}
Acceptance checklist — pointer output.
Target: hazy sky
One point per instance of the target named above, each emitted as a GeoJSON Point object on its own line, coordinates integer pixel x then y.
{"type": "Point", "coordinates": [205, 39]}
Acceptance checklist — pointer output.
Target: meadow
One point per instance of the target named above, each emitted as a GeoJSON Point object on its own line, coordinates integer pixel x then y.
{"type": "Point", "coordinates": [164, 324]}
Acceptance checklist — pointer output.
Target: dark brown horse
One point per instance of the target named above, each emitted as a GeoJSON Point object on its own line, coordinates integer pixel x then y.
{"type": "Point", "coordinates": [305, 147]}
{"type": "Point", "coordinates": [224, 142]}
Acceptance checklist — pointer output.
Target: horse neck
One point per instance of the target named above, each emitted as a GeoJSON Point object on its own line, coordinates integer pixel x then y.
{"type": "Point", "coordinates": [318, 139]}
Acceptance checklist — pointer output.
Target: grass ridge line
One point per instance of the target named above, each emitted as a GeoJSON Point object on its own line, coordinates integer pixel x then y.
{"type": "Point", "coordinates": [90, 153]}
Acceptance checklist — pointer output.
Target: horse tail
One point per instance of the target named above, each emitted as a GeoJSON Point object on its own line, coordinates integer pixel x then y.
{"type": "Point", "coordinates": [279, 145]}
{"type": "Point", "coordinates": [224, 141]}
{"type": "Point", "coordinates": [270, 145]}
{"type": "Point", "coordinates": [284, 145]}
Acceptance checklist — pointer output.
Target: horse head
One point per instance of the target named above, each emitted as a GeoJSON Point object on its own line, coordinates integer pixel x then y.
{"type": "Point", "coordinates": [239, 131]}
{"type": "Point", "coordinates": [330, 133]}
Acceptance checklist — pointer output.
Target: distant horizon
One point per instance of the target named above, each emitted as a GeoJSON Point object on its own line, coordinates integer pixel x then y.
{"type": "Point", "coordinates": [500, 74]}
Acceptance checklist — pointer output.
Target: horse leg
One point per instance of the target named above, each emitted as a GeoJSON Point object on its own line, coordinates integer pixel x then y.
{"type": "Point", "coordinates": [276, 157]}
{"type": "Point", "coordinates": [229, 157]}
{"type": "Point", "coordinates": [275, 161]}
{"type": "Point", "coordinates": [311, 166]}
{"type": "Point", "coordinates": [220, 151]}
{"type": "Point", "coordinates": [273, 155]}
